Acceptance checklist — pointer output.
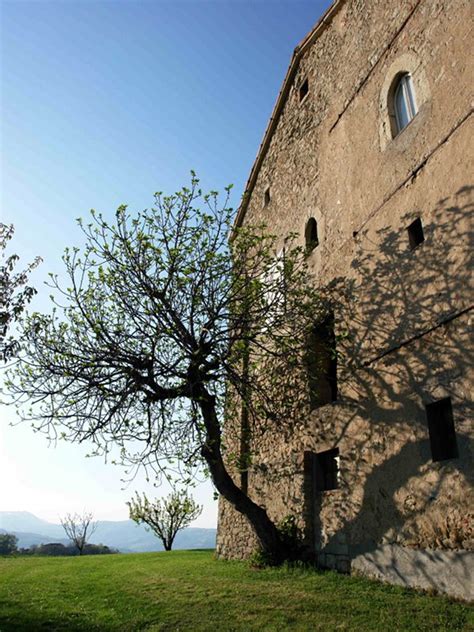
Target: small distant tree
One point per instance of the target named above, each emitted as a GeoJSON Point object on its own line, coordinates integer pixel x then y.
{"type": "Point", "coordinates": [8, 543]}
{"type": "Point", "coordinates": [78, 528]}
{"type": "Point", "coordinates": [167, 516]}
{"type": "Point", "coordinates": [99, 549]}
{"type": "Point", "coordinates": [55, 549]}
{"type": "Point", "coordinates": [15, 294]}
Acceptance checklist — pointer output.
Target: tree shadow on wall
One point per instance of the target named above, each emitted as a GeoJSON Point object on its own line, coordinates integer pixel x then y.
{"type": "Point", "coordinates": [406, 309]}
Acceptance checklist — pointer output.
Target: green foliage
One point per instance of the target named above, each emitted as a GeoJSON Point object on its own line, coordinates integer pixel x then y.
{"type": "Point", "coordinates": [188, 590]}
{"type": "Point", "coordinates": [292, 546]}
{"type": "Point", "coordinates": [262, 559]}
{"type": "Point", "coordinates": [292, 537]}
{"type": "Point", "coordinates": [165, 517]}
{"type": "Point", "coordinates": [56, 549]}
{"type": "Point", "coordinates": [8, 543]}
{"type": "Point", "coordinates": [159, 309]}
{"type": "Point", "coordinates": [165, 332]}
{"type": "Point", "coordinates": [15, 294]}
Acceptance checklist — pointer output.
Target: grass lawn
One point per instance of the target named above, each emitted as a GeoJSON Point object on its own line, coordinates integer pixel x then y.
{"type": "Point", "coordinates": [189, 590]}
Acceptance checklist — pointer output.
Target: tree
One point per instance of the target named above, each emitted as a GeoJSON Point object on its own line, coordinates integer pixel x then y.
{"type": "Point", "coordinates": [165, 333]}
{"type": "Point", "coordinates": [78, 528]}
{"type": "Point", "coordinates": [8, 543]}
{"type": "Point", "coordinates": [14, 294]}
{"type": "Point", "coordinates": [167, 516]}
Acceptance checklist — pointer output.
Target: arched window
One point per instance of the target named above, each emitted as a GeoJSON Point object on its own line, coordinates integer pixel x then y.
{"type": "Point", "coordinates": [266, 197]}
{"type": "Point", "coordinates": [311, 234]}
{"type": "Point", "coordinates": [404, 104]}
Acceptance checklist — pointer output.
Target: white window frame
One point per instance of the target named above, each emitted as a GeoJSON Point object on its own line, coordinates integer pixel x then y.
{"type": "Point", "coordinates": [405, 87]}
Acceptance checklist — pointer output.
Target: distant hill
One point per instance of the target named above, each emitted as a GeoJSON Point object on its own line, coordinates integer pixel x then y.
{"type": "Point", "coordinates": [25, 539]}
{"type": "Point", "coordinates": [27, 522]}
{"type": "Point", "coordinates": [124, 535]}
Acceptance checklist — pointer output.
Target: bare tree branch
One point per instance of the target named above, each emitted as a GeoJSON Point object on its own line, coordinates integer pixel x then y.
{"type": "Point", "coordinates": [164, 329]}
{"type": "Point", "coordinates": [78, 528]}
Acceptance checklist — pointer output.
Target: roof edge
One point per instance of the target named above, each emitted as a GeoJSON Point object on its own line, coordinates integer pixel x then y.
{"type": "Point", "coordinates": [320, 26]}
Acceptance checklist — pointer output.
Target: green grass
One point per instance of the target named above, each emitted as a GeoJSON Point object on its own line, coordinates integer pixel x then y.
{"type": "Point", "coordinates": [189, 590]}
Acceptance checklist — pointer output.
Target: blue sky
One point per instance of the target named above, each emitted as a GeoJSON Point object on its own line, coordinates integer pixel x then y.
{"type": "Point", "coordinates": [103, 103]}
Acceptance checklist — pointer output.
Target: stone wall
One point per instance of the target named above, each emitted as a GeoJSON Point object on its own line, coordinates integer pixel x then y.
{"type": "Point", "coordinates": [411, 567]}
{"type": "Point", "coordinates": [332, 157]}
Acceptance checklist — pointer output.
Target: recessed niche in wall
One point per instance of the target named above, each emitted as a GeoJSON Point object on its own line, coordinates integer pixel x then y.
{"type": "Point", "coordinates": [415, 233]}
{"type": "Point", "coordinates": [326, 470]}
{"type": "Point", "coordinates": [304, 89]}
{"type": "Point", "coordinates": [441, 429]}
{"type": "Point", "coordinates": [321, 363]}
{"type": "Point", "coordinates": [311, 234]}
{"type": "Point", "coordinates": [266, 197]}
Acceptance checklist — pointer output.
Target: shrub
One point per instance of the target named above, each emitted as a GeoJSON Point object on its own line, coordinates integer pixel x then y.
{"type": "Point", "coordinates": [8, 543]}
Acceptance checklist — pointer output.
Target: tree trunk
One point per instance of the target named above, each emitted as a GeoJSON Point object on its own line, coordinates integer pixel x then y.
{"type": "Point", "coordinates": [265, 530]}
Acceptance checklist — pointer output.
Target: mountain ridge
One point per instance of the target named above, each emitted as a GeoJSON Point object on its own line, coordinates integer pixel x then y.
{"type": "Point", "coordinates": [124, 535]}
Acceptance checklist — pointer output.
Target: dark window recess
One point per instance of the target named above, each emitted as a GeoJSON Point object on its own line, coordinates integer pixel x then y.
{"type": "Point", "coordinates": [441, 429]}
{"type": "Point", "coordinates": [415, 233]}
{"type": "Point", "coordinates": [266, 197]}
{"type": "Point", "coordinates": [321, 363]}
{"type": "Point", "coordinates": [304, 89]}
{"type": "Point", "coordinates": [324, 467]}
{"type": "Point", "coordinates": [311, 234]}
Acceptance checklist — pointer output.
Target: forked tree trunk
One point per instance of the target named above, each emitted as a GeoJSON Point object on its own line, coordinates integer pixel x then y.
{"type": "Point", "coordinates": [265, 530]}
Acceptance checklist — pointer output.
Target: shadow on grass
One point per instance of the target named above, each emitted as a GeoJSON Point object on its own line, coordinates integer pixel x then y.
{"type": "Point", "coordinates": [31, 620]}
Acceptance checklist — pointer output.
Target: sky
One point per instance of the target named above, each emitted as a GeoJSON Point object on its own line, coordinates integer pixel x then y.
{"type": "Point", "coordinates": [104, 103]}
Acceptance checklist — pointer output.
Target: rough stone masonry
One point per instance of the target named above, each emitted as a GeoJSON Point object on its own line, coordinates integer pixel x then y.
{"type": "Point", "coordinates": [380, 476]}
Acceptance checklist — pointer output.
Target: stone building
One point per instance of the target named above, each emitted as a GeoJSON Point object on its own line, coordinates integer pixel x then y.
{"type": "Point", "coordinates": [368, 156]}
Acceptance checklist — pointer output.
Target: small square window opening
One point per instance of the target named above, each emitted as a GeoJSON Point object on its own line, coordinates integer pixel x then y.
{"type": "Point", "coordinates": [441, 430]}
{"type": "Point", "coordinates": [415, 233]}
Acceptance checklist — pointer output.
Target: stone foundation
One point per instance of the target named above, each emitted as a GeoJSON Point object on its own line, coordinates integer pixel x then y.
{"type": "Point", "coordinates": [446, 572]}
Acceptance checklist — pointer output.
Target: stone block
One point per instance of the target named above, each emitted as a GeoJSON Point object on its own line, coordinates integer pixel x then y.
{"type": "Point", "coordinates": [330, 561]}
{"type": "Point", "coordinates": [337, 549]}
{"type": "Point", "coordinates": [343, 565]}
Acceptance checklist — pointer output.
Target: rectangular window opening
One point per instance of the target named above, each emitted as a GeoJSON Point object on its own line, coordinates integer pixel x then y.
{"type": "Point", "coordinates": [325, 468]}
{"type": "Point", "coordinates": [441, 430]}
{"type": "Point", "coordinates": [415, 233]}
{"type": "Point", "coordinates": [304, 89]}
{"type": "Point", "coordinates": [321, 363]}
{"type": "Point", "coordinates": [266, 197]}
